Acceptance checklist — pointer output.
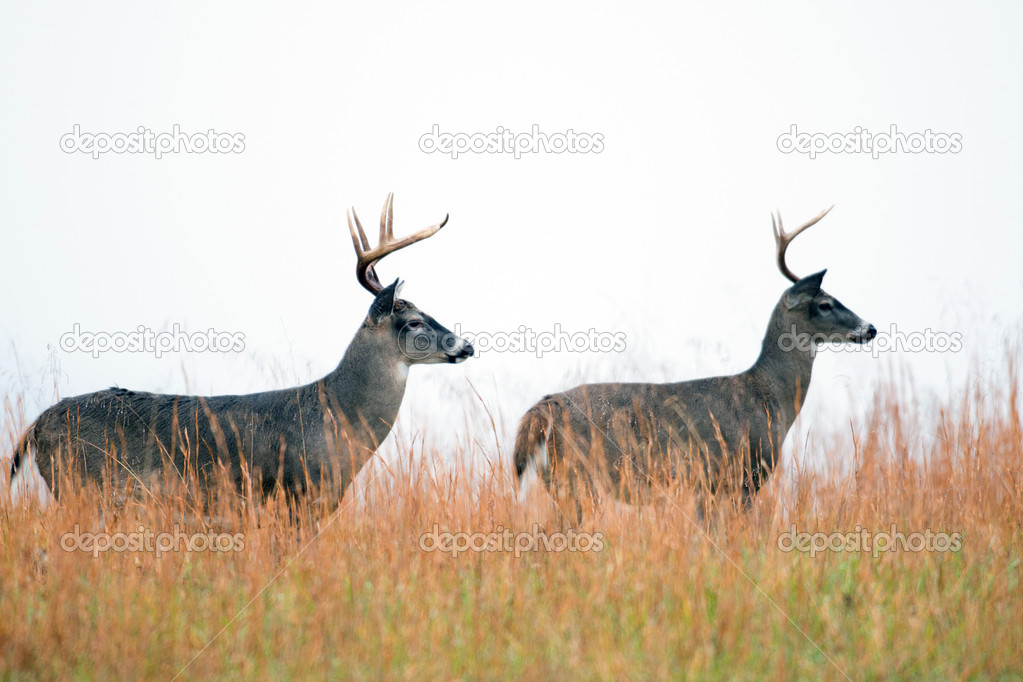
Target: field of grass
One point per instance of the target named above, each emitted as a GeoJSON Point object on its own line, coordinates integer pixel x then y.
{"type": "Point", "coordinates": [660, 593]}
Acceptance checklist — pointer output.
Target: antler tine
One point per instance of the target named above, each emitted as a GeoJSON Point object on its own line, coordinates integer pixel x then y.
{"type": "Point", "coordinates": [782, 239]}
{"type": "Point", "coordinates": [362, 233]}
{"type": "Point", "coordinates": [367, 258]}
{"type": "Point", "coordinates": [363, 267]}
{"type": "Point", "coordinates": [387, 219]}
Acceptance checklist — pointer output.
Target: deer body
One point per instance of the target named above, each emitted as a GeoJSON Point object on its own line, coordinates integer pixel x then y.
{"type": "Point", "coordinates": [585, 440]}
{"type": "Point", "coordinates": [325, 430]}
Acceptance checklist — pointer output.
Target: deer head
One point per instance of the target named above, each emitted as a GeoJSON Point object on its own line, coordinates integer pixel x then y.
{"type": "Point", "coordinates": [808, 309]}
{"type": "Point", "coordinates": [419, 338]}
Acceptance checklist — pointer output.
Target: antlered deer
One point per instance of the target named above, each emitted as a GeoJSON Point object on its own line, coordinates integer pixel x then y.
{"type": "Point", "coordinates": [287, 438]}
{"type": "Point", "coordinates": [583, 441]}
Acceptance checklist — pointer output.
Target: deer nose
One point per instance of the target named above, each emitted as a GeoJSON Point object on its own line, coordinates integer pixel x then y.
{"type": "Point", "coordinates": [464, 350]}
{"type": "Point", "coordinates": [871, 332]}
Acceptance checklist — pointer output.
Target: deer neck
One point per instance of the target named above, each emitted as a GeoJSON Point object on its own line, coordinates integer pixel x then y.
{"type": "Point", "coordinates": [369, 383]}
{"type": "Point", "coordinates": [782, 372]}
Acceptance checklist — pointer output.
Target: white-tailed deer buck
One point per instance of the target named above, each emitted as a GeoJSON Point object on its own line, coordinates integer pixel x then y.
{"type": "Point", "coordinates": [288, 438]}
{"type": "Point", "coordinates": [588, 440]}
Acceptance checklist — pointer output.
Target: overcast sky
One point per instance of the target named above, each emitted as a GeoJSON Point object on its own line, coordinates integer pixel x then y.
{"type": "Point", "coordinates": [660, 232]}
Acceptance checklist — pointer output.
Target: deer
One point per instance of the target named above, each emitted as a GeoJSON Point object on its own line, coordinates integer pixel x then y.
{"type": "Point", "coordinates": [613, 438]}
{"type": "Point", "coordinates": [289, 438]}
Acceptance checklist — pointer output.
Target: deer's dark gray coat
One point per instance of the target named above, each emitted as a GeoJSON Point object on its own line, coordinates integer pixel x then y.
{"type": "Point", "coordinates": [584, 440]}
{"type": "Point", "coordinates": [287, 437]}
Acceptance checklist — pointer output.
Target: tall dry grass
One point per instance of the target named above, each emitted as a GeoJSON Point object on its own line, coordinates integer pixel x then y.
{"type": "Point", "coordinates": [313, 592]}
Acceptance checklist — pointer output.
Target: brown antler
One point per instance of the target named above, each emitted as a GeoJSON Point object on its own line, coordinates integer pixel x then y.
{"type": "Point", "coordinates": [367, 257]}
{"type": "Point", "coordinates": [782, 239]}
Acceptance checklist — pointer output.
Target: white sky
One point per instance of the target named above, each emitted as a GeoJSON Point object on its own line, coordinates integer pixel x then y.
{"type": "Point", "coordinates": [665, 235]}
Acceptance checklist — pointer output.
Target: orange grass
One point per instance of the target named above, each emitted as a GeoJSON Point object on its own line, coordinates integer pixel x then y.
{"type": "Point", "coordinates": [352, 594]}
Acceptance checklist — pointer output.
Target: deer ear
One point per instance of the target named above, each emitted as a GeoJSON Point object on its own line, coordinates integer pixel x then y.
{"type": "Point", "coordinates": [804, 290]}
{"type": "Point", "coordinates": [383, 304]}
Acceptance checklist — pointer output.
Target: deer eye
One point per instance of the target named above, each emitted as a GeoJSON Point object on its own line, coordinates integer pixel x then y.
{"type": "Point", "coordinates": [415, 324]}
{"type": "Point", "coordinates": [824, 307]}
